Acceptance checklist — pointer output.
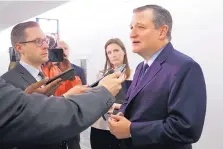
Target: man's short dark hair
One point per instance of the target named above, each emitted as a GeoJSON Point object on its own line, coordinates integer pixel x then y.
{"type": "Point", "coordinates": [161, 16]}
{"type": "Point", "coordinates": [18, 32]}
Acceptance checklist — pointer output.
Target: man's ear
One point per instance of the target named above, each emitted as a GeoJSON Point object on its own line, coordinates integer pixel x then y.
{"type": "Point", "coordinates": [163, 31]}
{"type": "Point", "coordinates": [18, 48]}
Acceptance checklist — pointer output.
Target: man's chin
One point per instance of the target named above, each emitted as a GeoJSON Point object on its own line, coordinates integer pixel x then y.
{"type": "Point", "coordinates": [45, 60]}
{"type": "Point", "coordinates": [136, 50]}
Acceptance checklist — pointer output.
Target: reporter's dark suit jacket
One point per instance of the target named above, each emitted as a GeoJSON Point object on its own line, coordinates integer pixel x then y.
{"type": "Point", "coordinates": [21, 78]}
{"type": "Point", "coordinates": [167, 107]}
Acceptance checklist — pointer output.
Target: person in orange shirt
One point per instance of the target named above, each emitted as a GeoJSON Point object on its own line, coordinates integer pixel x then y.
{"type": "Point", "coordinates": [78, 70]}
{"type": "Point", "coordinates": [52, 69]}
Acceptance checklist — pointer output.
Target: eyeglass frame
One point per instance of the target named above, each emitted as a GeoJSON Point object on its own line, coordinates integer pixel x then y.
{"type": "Point", "coordinates": [35, 41]}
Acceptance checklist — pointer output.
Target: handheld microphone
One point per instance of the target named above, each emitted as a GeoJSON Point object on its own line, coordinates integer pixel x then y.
{"type": "Point", "coordinates": [122, 69]}
{"type": "Point", "coordinates": [107, 73]}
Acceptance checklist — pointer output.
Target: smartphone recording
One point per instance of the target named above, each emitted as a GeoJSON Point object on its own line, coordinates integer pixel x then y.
{"type": "Point", "coordinates": [66, 75]}
{"type": "Point", "coordinates": [56, 55]}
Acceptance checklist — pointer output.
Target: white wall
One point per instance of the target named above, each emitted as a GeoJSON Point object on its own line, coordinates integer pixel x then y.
{"type": "Point", "coordinates": [87, 26]}
{"type": "Point", "coordinates": [4, 55]}
{"type": "Point", "coordinates": [197, 31]}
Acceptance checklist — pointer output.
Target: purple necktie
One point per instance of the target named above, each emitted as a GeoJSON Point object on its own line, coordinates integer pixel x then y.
{"type": "Point", "coordinates": [144, 68]}
{"type": "Point", "coordinates": [143, 71]}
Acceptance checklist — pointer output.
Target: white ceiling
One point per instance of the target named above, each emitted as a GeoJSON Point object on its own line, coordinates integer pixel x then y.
{"type": "Point", "coordinates": [13, 12]}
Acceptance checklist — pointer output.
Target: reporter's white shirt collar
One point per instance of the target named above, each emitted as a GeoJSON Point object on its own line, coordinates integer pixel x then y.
{"type": "Point", "coordinates": [32, 70]}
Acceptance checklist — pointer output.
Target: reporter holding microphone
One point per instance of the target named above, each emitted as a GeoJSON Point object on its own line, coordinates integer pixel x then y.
{"type": "Point", "coordinates": [33, 118]}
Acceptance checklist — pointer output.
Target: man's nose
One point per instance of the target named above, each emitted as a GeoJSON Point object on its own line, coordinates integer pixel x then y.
{"type": "Point", "coordinates": [45, 45]}
{"type": "Point", "coordinates": [133, 33]}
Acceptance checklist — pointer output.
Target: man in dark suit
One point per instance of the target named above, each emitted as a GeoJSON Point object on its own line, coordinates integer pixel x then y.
{"type": "Point", "coordinates": [78, 70]}
{"type": "Point", "coordinates": [32, 45]}
{"type": "Point", "coordinates": [30, 42]}
{"type": "Point", "coordinates": [166, 104]}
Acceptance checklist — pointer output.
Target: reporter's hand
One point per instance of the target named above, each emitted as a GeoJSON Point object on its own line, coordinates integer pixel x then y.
{"type": "Point", "coordinates": [112, 83]}
{"type": "Point", "coordinates": [79, 89]}
{"type": "Point", "coordinates": [47, 90]}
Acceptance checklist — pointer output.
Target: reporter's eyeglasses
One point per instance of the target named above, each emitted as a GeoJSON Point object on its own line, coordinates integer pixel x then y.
{"type": "Point", "coordinates": [38, 41]}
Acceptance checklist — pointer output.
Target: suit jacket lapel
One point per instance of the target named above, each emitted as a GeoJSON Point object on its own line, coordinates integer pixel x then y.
{"type": "Point", "coordinates": [151, 73]}
{"type": "Point", "coordinates": [27, 77]}
{"type": "Point", "coordinates": [137, 75]}
{"type": "Point", "coordinates": [153, 70]}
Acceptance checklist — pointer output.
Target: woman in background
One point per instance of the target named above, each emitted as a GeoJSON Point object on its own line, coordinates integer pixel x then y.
{"type": "Point", "coordinates": [116, 55]}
